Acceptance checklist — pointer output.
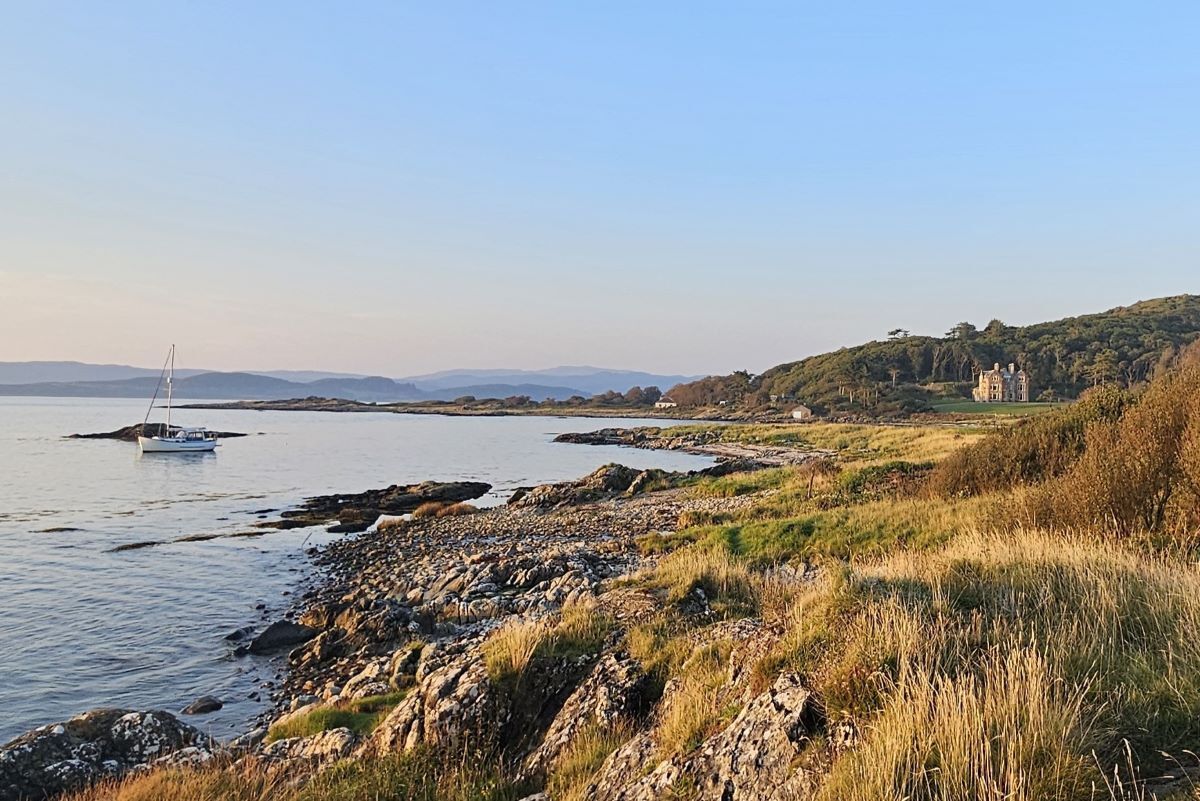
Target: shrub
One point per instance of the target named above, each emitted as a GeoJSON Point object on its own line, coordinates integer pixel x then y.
{"type": "Point", "coordinates": [1033, 449]}
{"type": "Point", "coordinates": [428, 509]}
{"type": "Point", "coordinates": [1137, 473]}
{"type": "Point", "coordinates": [456, 509]}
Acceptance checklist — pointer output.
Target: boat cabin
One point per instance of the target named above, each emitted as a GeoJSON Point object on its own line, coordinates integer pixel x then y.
{"type": "Point", "coordinates": [191, 435]}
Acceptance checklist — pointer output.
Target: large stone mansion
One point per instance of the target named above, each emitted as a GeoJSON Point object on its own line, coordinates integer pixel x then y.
{"type": "Point", "coordinates": [1002, 386]}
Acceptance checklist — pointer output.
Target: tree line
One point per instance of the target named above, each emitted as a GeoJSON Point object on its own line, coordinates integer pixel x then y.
{"type": "Point", "coordinates": [1125, 346]}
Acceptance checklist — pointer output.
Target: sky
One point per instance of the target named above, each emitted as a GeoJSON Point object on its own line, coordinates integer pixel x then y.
{"type": "Point", "coordinates": [393, 188]}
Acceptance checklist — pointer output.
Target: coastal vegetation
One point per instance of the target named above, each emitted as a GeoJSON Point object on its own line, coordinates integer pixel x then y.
{"type": "Point", "coordinates": [969, 613]}
{"type": "Point", "coordinates": [906, 374]}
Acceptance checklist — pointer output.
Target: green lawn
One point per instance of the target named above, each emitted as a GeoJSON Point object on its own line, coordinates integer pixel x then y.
{"type": "Point", "coordinates": [970, 407]}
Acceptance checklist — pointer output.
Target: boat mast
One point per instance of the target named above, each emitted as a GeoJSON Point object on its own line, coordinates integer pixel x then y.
{"type": "Point", "coordinates": [170, 381]}
{"type": "Point", "coordinates": [157, 386]}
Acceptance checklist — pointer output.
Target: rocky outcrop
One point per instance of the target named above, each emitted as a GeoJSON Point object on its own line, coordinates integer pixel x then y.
{"type": "Point", "coordinates": [131, 433]}
{"type": "Point", "coordinates": [322, 747]}
{"type": "Point", "coordinates": [98, 744]}
{"type": "Point", "coordinates": [358, 511]}
{"type": "Point", "coordinates": [753, 759]}
{"type": "Point", "coordinates": [614, 690]}
{"type": "Point", "coordinates": [453, 701]}
{"type": "Point", "coordinates": [604, 482]}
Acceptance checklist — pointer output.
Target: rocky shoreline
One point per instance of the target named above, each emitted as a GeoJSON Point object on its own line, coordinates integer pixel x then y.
{"type": "Point", "coordinates": [703, 443]}
{"type": "Point", "coordinates": [401, 613]}
{"type": "Point", "coordinates": [451, 409]}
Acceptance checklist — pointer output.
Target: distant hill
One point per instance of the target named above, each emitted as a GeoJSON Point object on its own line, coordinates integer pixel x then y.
{"type": "Point", "coordinates": [72, 372]}
{"type": "Point", "coordinates": [76, 379]}
{"type": "Point", "coordinates": [42, 372]}
{"type": "Point", "coordinates": [586, 381]}
{"type": "Point", "coordinates": [251, 386]}
{"type": "Point", "coordinates": [1124, 345]}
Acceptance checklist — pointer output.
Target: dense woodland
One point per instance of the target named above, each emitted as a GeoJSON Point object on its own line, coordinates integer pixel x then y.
{"type": "Point", "coordinates": [904, 373]}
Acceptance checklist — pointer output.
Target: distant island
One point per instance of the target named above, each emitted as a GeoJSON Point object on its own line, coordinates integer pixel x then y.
{"type": "Point", "coordinates": [77, 380]}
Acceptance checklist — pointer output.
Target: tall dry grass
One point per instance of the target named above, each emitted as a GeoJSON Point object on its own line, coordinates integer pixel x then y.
{"type": "Point", "coordinates": [214, 782]}
{"type": "Point", "coordinates": [1012, 731]}
{"type": "Point", "coordinates": [572, 772]}
{"type": "Point", "coordinates": [510, 650]}
{"type": "Point", "coordinates": [419, 775]}
{"type": "Point", "coordinates": [1000, 666]}
{"type": "Point", "coordinates": [696, 706]}
{"type": "Point", "coordinates": [855, 444]}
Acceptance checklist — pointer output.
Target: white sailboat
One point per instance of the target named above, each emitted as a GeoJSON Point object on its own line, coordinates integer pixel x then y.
{"type": "Point", "coordinates": [174, 439]}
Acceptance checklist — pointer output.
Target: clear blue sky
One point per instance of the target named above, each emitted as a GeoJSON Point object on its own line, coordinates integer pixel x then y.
{"type": "Point", "coordinates": [690, 187]}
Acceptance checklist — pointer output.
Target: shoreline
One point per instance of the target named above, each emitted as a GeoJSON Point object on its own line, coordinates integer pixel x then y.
{"type": "Point", "coordinates": [383, 613]}
{"type": "Point", "coordinates": [338, 405]}
{"type": "Point", "coordinates": [530, 530]}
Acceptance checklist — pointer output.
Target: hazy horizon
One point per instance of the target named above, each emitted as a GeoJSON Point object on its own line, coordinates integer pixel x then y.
{"type": "Point", "coordinates": [396, 190]}
{"type": "Point", "coordinates": [536, 368]}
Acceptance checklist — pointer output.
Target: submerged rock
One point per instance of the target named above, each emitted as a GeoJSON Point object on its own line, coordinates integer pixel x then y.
{"type": "Point", "coordinates": [203, 705]}
{"type": "Point", "coordinates": [281, 634]}
{"type": "Point", "coordinates": [103, 743]}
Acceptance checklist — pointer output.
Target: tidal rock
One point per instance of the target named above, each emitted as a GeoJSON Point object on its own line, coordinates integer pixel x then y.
{"type": "Point", "coordinates": [359, 511]}
{"type": "Point", "coordinates": [237, 635]}
{"type": "Point", "coordinates": [249, 740]}
{"type": "Point", "coordinates": [281, 634]}
{"type": "Point", "coordinates": [103, 743]}
{"type": "Point", "coordinates": [131, 433]}
{"type": "Point", "coordinates": [203, 705]}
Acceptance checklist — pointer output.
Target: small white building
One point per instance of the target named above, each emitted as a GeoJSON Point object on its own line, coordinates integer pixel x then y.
{"type": "Point", "coordinates": [802, 413]}
{"type": "Point", "coordinates": [665, 403]}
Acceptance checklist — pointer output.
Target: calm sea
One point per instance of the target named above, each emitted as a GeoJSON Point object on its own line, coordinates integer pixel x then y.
{"type": "Point", "coordinates": [83, 626]}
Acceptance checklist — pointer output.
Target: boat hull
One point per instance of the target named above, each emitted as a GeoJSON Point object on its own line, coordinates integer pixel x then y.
{"type": "Point", "coordinates": [157, 445]}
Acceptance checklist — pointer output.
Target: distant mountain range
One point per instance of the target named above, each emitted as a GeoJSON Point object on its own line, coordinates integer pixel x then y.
{"type": "Point", "coordinates": [77, 379]}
